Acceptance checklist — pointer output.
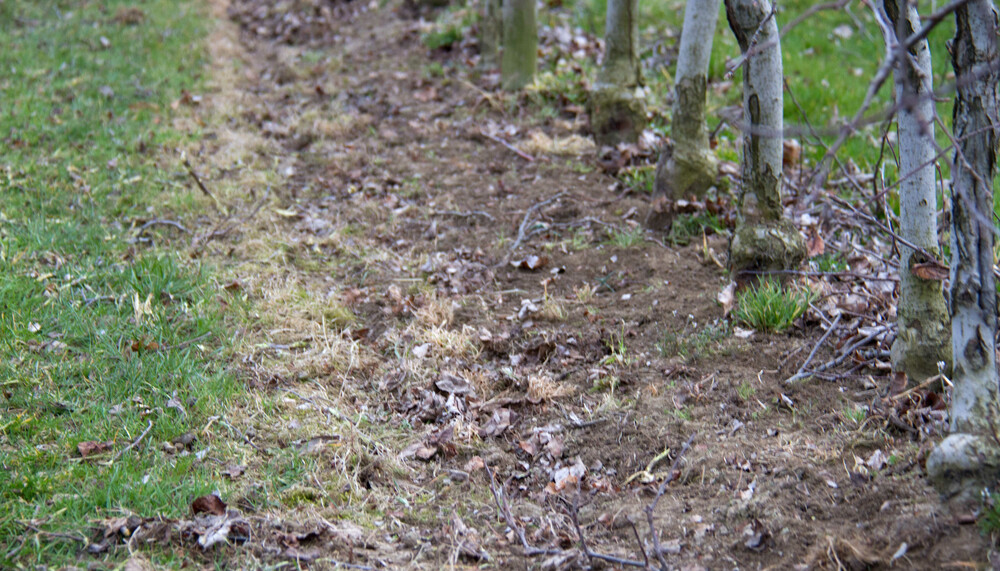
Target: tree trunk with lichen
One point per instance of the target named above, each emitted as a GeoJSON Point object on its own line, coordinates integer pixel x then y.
{"type": "Point", "coordinates": [520, 44]}
{"type": "Point", "coordinates": [689, 167]}
{"type": "Point", "coordinates": [922, 338]}
{"type": "Point", "coordinates": [764, 239]}
{"type": "Point", "coordinates": [490, 32]}
{"type": "Point", "coordinates": [617, 108]}
{"type": "Point", "coordinates": [969, 459]}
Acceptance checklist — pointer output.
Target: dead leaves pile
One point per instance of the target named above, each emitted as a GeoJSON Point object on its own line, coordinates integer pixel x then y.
{"type": "Point", "coordinates": [214, 525]}
{"type": "Point", "coordinates": [298, 22]}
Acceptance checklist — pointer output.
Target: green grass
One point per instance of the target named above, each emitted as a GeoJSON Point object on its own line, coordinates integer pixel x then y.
{"type": "Point", "coordinates": [84, 100]}
{"type": "Point", "coordinates": [627, 238]}
{"type": "Point", "coordinates": [770, 307]}
{"type": "Point", "coordinates": [693, 343]}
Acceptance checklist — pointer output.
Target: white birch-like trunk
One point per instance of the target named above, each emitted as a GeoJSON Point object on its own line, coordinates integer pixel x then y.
{"type": "Point", "coordinates": [620, 67]}
{"type": "Point", "coordinates": [967, 460]}
{"type": "Point", "coordinates": [520, 44]}
{"type": "Point", "coordinates": [922, 339]}
{"type": "Point", "coordinates": [617, 108]}
{"type": "Point", "coordinates": [689, 167]}
{"type": "Point", "coordinates": [764, 239]}
{"type": "Point", "coordinates": [490, 32]}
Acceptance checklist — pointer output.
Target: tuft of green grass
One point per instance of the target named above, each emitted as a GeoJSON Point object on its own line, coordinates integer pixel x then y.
{"type": "Point", "coordinates": [687, 227]}
{"type": "Point", "coordinates": [627, 238]}
{"type": "Point", "coordinates": [746, 391]}
{"type": "Point", "coordinates": [104, 339]}
{"type": "Point", "coordinates": [770, 307]}
{"type": "Point", "coordinates": [693, 343]}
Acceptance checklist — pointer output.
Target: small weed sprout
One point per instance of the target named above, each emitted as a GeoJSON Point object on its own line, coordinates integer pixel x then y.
{"type": "Point", "coordinates": [627, 238]}
{"type": "Point", "coordinates": [769, 307]}
{"type": "Point", "coordinates": [619, 352]}
{"type": "Point", "coordinates": [855, 414]}
{"type": "Point", "coordinates": [692, 343]}
{"type": "Point", "coordinates": [584, 293]}
{"type": "Point", "coordinates": [746, 390]}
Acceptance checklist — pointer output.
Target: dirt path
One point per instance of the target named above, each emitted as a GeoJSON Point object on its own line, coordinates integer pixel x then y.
{"type": "Point", "coordinates": [430, 303]}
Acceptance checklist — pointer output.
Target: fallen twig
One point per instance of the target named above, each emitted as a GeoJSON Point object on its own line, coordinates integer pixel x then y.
{"type": "Point", "coordinates": [130, 446]}
{"type": "Point", "coordinates": [508, 146]}
{"type": "Point", "coordinates": [847, 352]}
{"type": "Point", "coordinates": [468, 214]}
{"type": "Point", "coordinates": [163, 222]}
{"type": "Point", "coordinates": [574, 509]}
{"type": "Point", "coordinates": [523, 227]}
{"type": "Point", "coordinates": [184, 344]}
{"type": "Point", "coordinates": [501, 501]}
{"type": "Point", "coordinates": [921, 386]}
{"type": "Point", "coordinates": [659, 493]}
{"type": "Point", "coordinates": [197, 179]}
{"type": "Point", "coordinates": [800, 374]}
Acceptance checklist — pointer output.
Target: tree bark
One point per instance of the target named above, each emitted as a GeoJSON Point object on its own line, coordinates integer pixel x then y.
{"type": "Point", "coordinates": [617, 110]}
{"type": "Point", "coordinates": [968, 459]}
{"type": "Point", "coordinates": [922, 339]}
{"type": "Point", "coordinates": [520, 44]}
{"type": "Point", "coordinates": [689, 167]}
{"type": "Point", "coordinates": [764, 238]}
{"type": "Point", "coordinates": [490, 32]}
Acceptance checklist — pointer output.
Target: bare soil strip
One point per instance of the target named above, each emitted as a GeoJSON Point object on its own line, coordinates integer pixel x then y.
{"type": "Point", "coordinates": [447, 291]}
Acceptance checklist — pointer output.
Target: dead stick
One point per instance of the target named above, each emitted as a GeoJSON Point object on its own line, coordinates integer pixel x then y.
{"type": "Point", "coordinates": [801, 372]}
{"type": "Point", "coordinates": [523, 227]}
{"type": "Point", "coordinates": [574, 510]}
{"type": "Point", "coordinates": [131, 446]}
{"type": "Point", "coordinates": [501, 501]}
{"type": "Point", "coordinates": [508, 146]}
{"type": "Point", "coordinates": [197, 179]}
{"type": "Point", "coordinates": [659, 493]}
{"type": "Point", "coordinates": [923, 385]}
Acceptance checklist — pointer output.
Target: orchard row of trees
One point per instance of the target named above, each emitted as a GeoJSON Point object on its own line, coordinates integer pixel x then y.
{"type": "Point", "coordinates": [961, 334]}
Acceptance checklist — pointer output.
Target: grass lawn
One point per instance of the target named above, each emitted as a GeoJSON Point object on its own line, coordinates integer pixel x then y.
{"type": "Point", "coordinates": [103, 337]}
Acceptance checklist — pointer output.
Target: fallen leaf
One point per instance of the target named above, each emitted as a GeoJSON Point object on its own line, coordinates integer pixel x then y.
{"type": "Point", "coordinates": [210, 504]}
{"type": "Point", "coordinates": [815, 245]}
{"type": "Point", "coordinates": [474, 464]}
{"type": "Point", "coordinates": [233, 471]}
{"type": "Point", "coordinates": [92, 447]}
{"type": "Point", "coordinates": [531, 262]}
{"type": "Point", "coordinates": [727, 298]}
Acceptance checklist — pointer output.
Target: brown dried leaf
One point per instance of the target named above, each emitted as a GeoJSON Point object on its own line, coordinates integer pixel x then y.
{"type": "Point", "coordinates": [815, 245]}
{"type": "Point", "coordinates": [92, 447]}
{"type": "Point", "coordinates": [210, 504]}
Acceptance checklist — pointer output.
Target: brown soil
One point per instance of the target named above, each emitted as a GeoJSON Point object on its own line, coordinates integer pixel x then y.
{"type": "Point", "coordinates": [388, 201]}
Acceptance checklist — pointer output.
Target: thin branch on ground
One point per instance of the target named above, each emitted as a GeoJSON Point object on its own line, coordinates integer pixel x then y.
{"type": "Point", "coordinates": [522, 229]}
{"type": "Point", "coordinates": [574, 510]}
{"type": "Point", "coordinates": [197, 180]}
{"type": "Point", "coordinates": [508, 146]}
{"type": "Point", "coordinates": [53, 534]}
{"type": "Point", "coordinates": [500, 499]}
{"type": "Point", "coordinates": [801, 374]}
{"type": "Point", "coordinates": [460, 214]}
{"type": "Point", "coordinates": [130, 446]}
{"type": "Point", "coordinates": [659, 494]}
{"type": "Point", "coordinates": [162, 222]}
{"type": "Point", "coordinates": [845, 354]}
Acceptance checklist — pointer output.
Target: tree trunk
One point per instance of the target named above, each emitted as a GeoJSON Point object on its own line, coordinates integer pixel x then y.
{"type": "Point", "coordinates": [490, 32]}
{"type": "Point", "coordinates": [689, 167]}
{"type": "Point", "coordinates": [922, 339]}
{"type": "Point", "coordinates": [617, 111]}
{"type": "Point", "coordinates": [520, 44]}
{"type": "Point", "coordinates": [968, 459]}
{"type": "Point", "coordinates": [764, 238]}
